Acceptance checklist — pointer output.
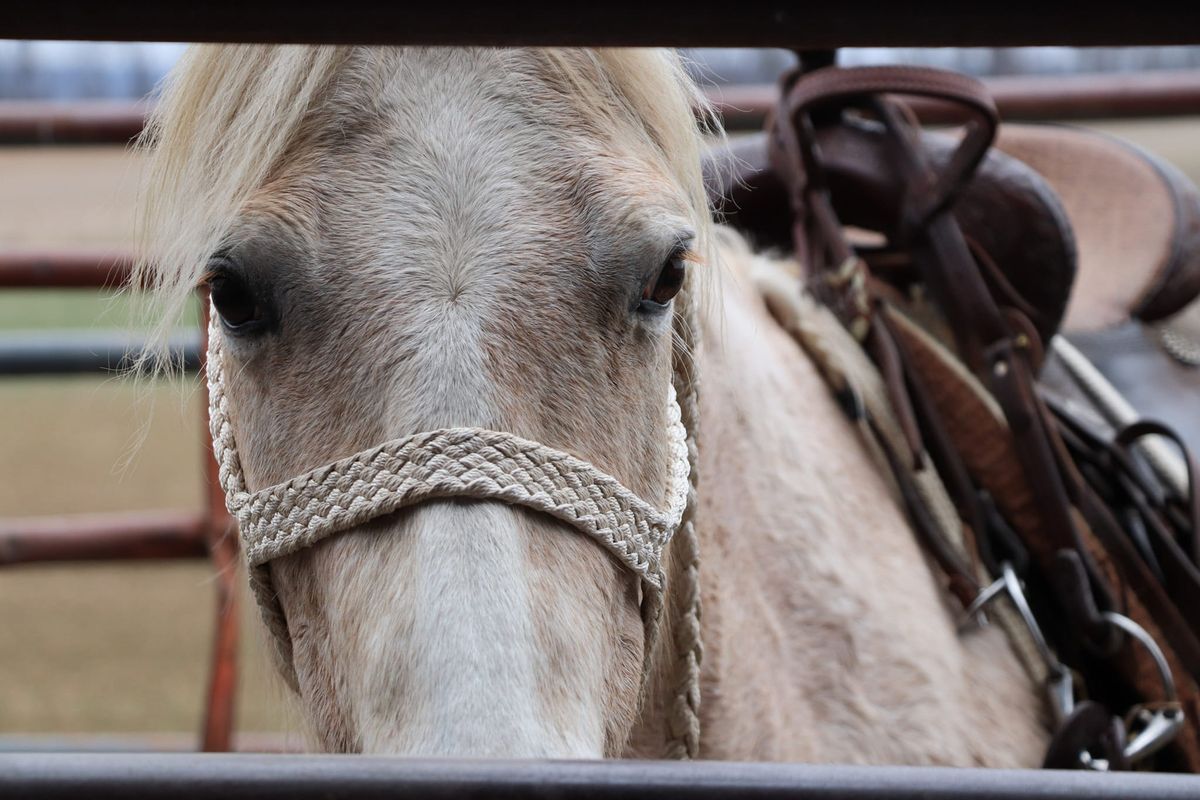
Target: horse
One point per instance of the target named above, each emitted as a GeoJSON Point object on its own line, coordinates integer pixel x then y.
{"type": "Point", "coordinates": [406, 240]}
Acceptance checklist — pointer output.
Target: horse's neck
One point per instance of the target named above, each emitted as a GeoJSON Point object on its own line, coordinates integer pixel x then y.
{"type": "Point", "coordinates": [824, 631]}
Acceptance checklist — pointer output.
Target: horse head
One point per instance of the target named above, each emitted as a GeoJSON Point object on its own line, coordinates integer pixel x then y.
{"type": "Point", "coordinates": [400, 241]}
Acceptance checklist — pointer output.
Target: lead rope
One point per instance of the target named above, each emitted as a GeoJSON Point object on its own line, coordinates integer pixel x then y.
{"type": "Point", "coordinates": [234, 486]}
{"type": "Point", "coordinates": [683, 714]}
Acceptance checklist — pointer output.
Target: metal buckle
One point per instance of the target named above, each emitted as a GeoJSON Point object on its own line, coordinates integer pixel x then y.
{"type": "Point", "coordinates": [1157, 723]}
{"type": "Point", "coordinates": [1060, 684]}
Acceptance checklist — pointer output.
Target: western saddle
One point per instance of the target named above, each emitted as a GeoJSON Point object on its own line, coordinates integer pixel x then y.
{"type": "Point", "coordinates": [1028, 296]}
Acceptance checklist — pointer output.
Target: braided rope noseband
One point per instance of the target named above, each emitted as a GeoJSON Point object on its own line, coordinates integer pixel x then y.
{"type": "Point", "coordinates": [461, 462]}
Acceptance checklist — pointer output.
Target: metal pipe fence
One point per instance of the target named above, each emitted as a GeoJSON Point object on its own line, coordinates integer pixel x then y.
{"type": "Point", "coordinates": [64, 269]}
{"type": "Point", "coordinates": [82, 352]}
{"type": "Point", "coordinates": [1018, 98]}
{"type": "Point", "coordinates": [77, 122]}
{"type": "Point", "coordinates": [209, 533]}
{"type": "Point", "coordinates": [294, 777]}
{"type": "Point", "coordinates": [780, 23]}
{"type": "Point", "coordinates": [1164, 93]}
{"type": "Point", "coordinates": [120, 536]}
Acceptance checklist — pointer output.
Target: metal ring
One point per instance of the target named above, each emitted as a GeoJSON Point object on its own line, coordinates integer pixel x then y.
{"type": "Point", "coordinates": [1017, 593]}
{"type": "Point", "coordinates": [1147, 641]}
{"type": "Point", "coordinates": [1163, 720]}
{"type": "Point", "coordinates": [986, 595]}
{"type": "Point", "coordinates": [1060, 683]}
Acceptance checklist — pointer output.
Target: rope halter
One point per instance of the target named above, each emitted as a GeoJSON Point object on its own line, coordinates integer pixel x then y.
{"type": "Point", "coordinates": [454, 462]}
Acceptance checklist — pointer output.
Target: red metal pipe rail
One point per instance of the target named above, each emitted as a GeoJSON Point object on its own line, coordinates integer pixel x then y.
{"type": "Point", "coordinates": [1060, 97]}
{"type": "Point", "coordinates": [685, 23]}
{"type": "Point", "coordinates": [61, 269]}
{"type": "Point", "coordinates": [79, 122]}
{"type": "Point", "coordinates": [103, 537]}
{"type": "Point", "coordinates": [1160, 93]}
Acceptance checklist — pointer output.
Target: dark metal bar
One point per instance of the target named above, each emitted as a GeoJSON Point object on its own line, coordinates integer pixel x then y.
{"type": "Point", "coordinates": [86, 351]}
{"type": "Point", "coordinates": [34, 122]}
{"type": "Point", "coordinates": [64, 268]}
{"type": "Point", "coordinates": [231, 777]}
{"type": "Point", "coordinates": [102, 537]}
{"type": "Point", "coordinates": [695, 23]}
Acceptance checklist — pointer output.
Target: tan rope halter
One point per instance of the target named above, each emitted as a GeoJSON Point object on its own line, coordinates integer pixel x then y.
{"type": "Point", "coordinates": [480, 464]}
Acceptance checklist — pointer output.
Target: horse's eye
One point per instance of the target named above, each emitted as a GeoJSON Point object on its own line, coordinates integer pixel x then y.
{"type": "Point", "coordinates": [666, 284]}
{"type": "Point", "coordinates": [234, 302]}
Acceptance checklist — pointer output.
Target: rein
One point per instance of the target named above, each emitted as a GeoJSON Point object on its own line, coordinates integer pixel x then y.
{"type": "Point", "coordinates": [485, 465]}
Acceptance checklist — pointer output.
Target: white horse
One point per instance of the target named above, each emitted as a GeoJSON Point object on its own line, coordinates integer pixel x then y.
{"type": "Point", "coordinates": [401, 240]}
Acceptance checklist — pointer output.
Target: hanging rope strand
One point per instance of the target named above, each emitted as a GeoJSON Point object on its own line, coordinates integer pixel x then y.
{"type": "Point", "coordinates": [683, 715]}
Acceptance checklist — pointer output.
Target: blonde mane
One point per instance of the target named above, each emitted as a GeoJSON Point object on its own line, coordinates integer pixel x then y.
{"type": "Point", "coordinates": [228, 115]}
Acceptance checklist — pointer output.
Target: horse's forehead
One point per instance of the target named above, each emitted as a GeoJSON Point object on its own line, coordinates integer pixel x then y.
{"type": "Point", "coordinates": [441, 138]}
{"type": "Point", "coordinates": [470, 172]}
{"type": "Point", "coordinates": [429, 102]}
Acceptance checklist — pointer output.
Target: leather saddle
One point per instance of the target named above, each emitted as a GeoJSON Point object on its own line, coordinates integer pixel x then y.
{"type": "Point", "coordinates": [1007, 210]}
{"type": "Point", "coordinates": [1134, 311]}
{"type": "Point", "coordinates": [1091, 234]}
{"type": "Point", "coordinates": [954, 260]}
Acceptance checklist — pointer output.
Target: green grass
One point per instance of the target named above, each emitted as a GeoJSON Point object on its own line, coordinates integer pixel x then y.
{"type": "Point", "coordinates": [47, 309]}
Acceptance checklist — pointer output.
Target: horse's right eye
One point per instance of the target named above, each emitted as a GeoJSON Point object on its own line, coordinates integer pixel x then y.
{"type": "Point", "coordinates": [235, 303]}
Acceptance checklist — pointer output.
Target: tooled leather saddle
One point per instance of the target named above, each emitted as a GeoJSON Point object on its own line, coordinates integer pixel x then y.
{"type": "Point", "coordinates": [954, 263]}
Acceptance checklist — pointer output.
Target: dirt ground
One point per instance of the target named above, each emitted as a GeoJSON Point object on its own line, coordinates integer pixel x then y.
{"type": "Point", "coordinates": [124, 648]}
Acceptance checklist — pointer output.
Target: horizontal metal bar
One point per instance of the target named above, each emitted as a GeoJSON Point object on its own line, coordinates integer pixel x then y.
{"type": "Point", "coordinates": [88, 351]}
{"type": "Point", "coordinates": [145, 742]}
{"type": "Point", "coordinates": [1163, 93]}
{"type": "Point", "coordinates": [1160, 93]}
{"type": "Point", "coordinates": [80, 268]}
{"type": "Point", "coordinates": [185, 777]}
{"type": "Point", "coordinates": [77, 122]}
{"type": "Point", "coordinates": [696, 23]}
{"type": "Point", "coordinates": [1043, 97]}
{"type": "Point", "coordinates": [103, 537]}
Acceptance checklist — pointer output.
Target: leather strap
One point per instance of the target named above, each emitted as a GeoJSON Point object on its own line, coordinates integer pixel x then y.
{"type": "Point", "coordinates": [996, 430]}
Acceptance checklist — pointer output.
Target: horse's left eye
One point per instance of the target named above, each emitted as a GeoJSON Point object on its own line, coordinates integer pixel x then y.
{"type": "Point", "coordinates": [235, 303]}
{"type": "Point", "coordinates": [666, 284]}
